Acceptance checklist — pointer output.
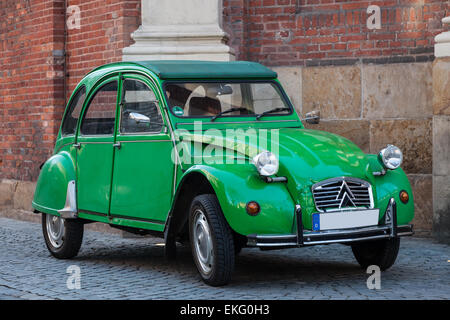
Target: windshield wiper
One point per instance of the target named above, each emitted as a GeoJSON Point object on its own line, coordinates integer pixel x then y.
{"type": "Point", "coordinates": [272, 111]}
{"type": "Point", "coordinates": [228, 111]}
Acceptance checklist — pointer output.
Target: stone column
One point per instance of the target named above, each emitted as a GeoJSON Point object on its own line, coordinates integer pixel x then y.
{"type": "Point", "coordinates": [441, 136]}
{"type": "Point", "coordinates": [180, 29]}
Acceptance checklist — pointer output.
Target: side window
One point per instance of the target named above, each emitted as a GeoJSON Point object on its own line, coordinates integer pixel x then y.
{"type": "Point", "coordinates": [140, 112]}
{"type": "Point", "coordinates": [73, 113]}
{"type": "Point", "coordinates": [100, 114]}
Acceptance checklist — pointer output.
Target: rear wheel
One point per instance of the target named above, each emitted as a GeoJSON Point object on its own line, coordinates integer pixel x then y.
{"type": "Point", "coordinates": [63, 237]}
{"type": "Point", "coordinates": [211, 240]}
{"type": "Point", "coordinates": [382, 253]}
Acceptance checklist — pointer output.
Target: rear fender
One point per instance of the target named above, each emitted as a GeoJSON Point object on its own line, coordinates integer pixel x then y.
{"type": "Point", "coordinates": [53, 193]}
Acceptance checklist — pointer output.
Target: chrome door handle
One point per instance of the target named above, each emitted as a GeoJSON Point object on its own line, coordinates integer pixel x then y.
{"type": "Point", "coordinates": [77, 145]}
{"type": "Point", "coordinates": [117, 145]}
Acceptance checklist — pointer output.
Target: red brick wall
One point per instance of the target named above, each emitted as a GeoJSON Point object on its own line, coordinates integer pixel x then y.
{"type": "Point", "coordinates": [105, 30]}
{"type": "Point", "coordinates": [32, 56]}
{"type": "Point", "coordinates": [31, 83]}
{"type": "Point", "coordinates": [324, 32]}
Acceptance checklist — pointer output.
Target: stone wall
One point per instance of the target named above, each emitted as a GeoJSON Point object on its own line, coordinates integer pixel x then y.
{"type": "Point", "coordinates": [441, 148]}
{"type": "Point", "coordinates": [16, 194]}
{"type": "Point", "coordinates": [373, 105]}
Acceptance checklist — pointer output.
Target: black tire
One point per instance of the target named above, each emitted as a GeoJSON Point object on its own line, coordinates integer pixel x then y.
{"type": "Point", "coordinates": [222, 264]}
{"type": "Point", "coordinates": [71, 240]}
{"type": "Point", "coordinates": [237, 249]}
{"type": "Point", "coordinates": [381, 253]}
{"type": "Point", "coordinates": [240, 242]}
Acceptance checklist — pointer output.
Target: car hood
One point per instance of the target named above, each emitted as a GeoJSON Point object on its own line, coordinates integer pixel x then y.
{"type": "Point", "coordinates": [305, 155]}
{"type": "Point", "coordinates": [311, 156]}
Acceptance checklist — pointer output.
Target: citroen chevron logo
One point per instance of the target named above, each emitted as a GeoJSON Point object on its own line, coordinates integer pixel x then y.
{"type": "Point", "coordinates": [342, 192]}
{"type": "Point", "coordinates": [345, 196]}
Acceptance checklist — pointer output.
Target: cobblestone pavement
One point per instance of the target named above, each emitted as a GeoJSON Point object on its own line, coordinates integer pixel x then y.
{"type": "Point", "coordinates": [117, 268]}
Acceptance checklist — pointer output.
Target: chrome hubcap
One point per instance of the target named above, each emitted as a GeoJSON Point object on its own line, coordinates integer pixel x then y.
{"type": "Point", "coordinates": [203, 242]}
{"type": "Point", "coordinates": [55, 230]}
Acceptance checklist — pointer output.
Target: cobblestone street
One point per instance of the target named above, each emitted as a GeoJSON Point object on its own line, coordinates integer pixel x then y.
{"type": "Point", "coordinates": [116, 268]}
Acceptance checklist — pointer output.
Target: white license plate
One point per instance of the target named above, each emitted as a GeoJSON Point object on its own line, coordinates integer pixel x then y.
{"type": "Point", "coordinates": [345, 219]}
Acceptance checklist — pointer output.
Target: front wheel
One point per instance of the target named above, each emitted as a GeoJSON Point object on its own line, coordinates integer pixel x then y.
{"type": "Point", "coordinates": [381, 253]}
{"type": "Point", "coordinates": [63, 237]}
{"type": "Point", "coordinates": [211, 240]}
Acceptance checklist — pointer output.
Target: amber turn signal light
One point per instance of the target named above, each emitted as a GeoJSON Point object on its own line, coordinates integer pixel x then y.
{"type": "Point", "coordinates": [404, 196]}
{"type": "Point", "coordinates": [253, 208]}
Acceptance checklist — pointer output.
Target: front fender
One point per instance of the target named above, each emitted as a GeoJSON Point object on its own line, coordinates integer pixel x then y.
{"type": "Point", "coordinates": [237, 184]}
{"type": "Point", "coordinates": [389, 186]}
{"type": "Point", "coordinates": [51, 187]}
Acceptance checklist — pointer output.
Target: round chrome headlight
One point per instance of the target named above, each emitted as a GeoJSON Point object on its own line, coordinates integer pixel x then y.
{"type": "Point", "coordinates": [391, 157]}
{"type": "Point", "coordinates": [266, 163]}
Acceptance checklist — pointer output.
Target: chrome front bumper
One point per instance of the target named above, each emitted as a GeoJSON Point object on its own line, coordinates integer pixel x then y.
{"type": "Point", "coordinates": [389, 229]}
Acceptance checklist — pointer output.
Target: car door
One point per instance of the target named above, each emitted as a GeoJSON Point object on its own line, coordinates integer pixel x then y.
{"type": "Point", "coordinates": [143, 170]}
{"type": "Point", "coordinates": [95, 149]}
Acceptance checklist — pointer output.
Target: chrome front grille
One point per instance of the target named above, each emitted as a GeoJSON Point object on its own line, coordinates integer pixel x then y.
{"type": "Point", "coordinates": [342, 193]}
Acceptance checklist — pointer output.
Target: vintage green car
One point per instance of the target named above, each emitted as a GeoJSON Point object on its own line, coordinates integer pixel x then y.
{"type": "Point", "coordinates": [214, 154]}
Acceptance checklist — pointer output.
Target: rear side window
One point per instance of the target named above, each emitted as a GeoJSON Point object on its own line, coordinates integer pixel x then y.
{"type": "Point", "coordinates": [100, 114]}
{"type": "Point", "coordinates": [73, 113]}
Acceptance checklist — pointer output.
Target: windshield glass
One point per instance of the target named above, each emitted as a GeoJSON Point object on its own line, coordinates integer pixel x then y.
{"type": "Point", "coordinates": [210, 99]}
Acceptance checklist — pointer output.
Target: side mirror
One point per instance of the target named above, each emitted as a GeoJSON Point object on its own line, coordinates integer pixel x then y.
{"type": "Point", "coordinates": [313, 117]}
{"type": "Point", "coordinates": [139, 118]}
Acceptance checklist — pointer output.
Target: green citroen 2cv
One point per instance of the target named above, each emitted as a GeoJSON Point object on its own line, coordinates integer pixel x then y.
{"type": "Point", "coordinates": [213, 153]}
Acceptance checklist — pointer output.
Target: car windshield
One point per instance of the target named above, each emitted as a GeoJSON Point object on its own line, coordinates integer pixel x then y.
{"type": "Point", "coordinates": [225, 99]}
